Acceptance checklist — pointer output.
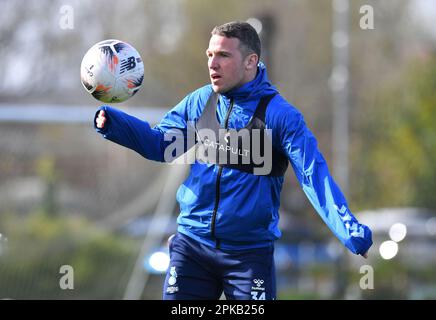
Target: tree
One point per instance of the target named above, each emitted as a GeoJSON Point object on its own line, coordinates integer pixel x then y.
{"type": "Point", "coordinates": [401, 140]}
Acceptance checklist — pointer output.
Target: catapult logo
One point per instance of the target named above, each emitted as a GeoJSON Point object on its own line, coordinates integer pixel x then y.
{"type": "Point", "coordinates": [224, 147]}
{"type": "Point", "coordinates": [228, 146]}
{"type": "Point", "coordinates": [172, 281]}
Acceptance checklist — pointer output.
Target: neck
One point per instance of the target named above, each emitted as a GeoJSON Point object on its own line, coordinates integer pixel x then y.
{"type": "Point", "coordinates": [250, 76]}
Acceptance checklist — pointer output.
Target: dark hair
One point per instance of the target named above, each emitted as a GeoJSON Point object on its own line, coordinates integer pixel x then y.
{"type": "Point", "coordinates": [243, 31]}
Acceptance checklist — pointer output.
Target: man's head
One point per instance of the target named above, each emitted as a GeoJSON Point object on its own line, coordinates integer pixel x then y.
{"type": "Point", "coordinates": [233, 55]}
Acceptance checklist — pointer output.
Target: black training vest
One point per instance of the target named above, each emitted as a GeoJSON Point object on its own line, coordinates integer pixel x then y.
{"type": "Point", "coordinates": [249, 149]}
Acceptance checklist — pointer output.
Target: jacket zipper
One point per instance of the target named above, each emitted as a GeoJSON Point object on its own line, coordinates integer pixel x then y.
{"type": "Point", "coordinates": [218, 179]}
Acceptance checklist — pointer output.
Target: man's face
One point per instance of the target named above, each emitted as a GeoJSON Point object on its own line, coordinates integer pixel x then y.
{"type": "Point", "coordinates": [226, 63]}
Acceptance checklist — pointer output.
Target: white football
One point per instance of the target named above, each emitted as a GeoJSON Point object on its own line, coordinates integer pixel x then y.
{"type": "Point", "coordinates": [112, 71]}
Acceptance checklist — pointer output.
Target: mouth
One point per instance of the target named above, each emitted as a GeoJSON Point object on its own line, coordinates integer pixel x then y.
{"type": "Point", "coordinates": [215, 77]}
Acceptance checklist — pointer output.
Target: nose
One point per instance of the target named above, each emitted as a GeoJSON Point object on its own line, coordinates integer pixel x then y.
{"type": "Point", "coordinates": [213, 63]}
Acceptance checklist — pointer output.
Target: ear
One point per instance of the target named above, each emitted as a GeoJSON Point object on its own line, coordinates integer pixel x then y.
{"type": "Point", "coordinates": [251, 61]}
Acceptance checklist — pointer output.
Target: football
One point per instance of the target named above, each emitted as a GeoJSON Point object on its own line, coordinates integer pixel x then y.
{"type": "Point", "coordinates": [112, 71]}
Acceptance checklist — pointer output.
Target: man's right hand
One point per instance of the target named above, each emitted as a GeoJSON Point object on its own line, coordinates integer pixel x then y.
{"type": "Point", "coordinates": [101, 120]}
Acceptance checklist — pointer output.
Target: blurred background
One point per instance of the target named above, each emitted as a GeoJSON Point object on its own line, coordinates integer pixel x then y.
{"type": "Point", "coordinates": [68, 197]}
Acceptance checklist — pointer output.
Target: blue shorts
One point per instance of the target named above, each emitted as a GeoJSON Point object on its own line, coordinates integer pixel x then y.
{"type": "Point", "coordinates": [198, 271]}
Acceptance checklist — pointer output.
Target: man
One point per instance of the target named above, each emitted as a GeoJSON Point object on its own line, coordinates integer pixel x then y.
{"type": "Point", "coordinates": [228, 218]}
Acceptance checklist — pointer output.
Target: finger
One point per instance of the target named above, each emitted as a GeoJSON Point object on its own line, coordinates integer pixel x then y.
{"type": "Point", "coordinates": [101, 119]}
{"type": "Point", "coordinates": [100, 122]}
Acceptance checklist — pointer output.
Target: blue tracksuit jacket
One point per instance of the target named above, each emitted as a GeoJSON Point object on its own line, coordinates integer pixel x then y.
{"type": "Point", "coordinates": [239, 209]}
